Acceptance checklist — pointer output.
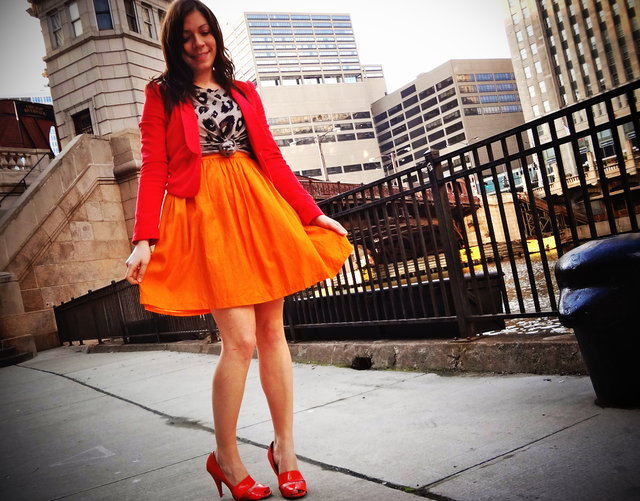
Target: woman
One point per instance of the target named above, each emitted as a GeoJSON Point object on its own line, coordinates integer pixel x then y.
{"type": "Point", "coordinates": [233, 235]}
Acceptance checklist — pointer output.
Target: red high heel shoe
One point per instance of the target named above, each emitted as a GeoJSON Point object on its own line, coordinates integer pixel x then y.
{"type": "Point", "coordinates": [291, 483]}
{"type": "Point", "coordinates": [247, 490]}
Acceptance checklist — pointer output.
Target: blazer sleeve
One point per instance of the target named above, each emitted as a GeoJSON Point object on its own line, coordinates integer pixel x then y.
{"type": "Point", "coordinates": [284, 180]}
{"type": "Point", "coordinates": [154, 170]}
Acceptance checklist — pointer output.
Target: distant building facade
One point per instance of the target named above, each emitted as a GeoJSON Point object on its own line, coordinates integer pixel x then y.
{"type": "Point", "coordinates": [278, 48]}
{"type": "Point", "coordinates": [99, 56]}
{"type": "Point", "coordinates": [457, 103]}
{"type": "Point", "coordinates": [566, 51]}
{"type": "Point", "coordinates": [42, 98]}
{"type": "Point", "coordinates": [316, 93]}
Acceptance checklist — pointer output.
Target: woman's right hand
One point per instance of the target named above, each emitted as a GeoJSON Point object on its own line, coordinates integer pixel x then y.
{"type": "Point", "coordinates": [137, 262]}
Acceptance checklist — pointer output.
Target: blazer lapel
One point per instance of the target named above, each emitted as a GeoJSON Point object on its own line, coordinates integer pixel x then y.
{"type": "Point", "coordinates": [248, 111]}
{"type": "Point", "coordinates": [190, 127]}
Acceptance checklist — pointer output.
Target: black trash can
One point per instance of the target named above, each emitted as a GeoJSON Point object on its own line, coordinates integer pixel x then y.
{"type": "Point", "coordinates": [600, 300]}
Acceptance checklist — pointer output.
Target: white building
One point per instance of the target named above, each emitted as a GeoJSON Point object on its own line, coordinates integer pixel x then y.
{"type": "Point", "coordinates": [457, 103]}
{"type": "Point", "coordinates": [316, 93]}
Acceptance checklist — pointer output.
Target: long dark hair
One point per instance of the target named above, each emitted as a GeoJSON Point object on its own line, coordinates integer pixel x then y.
{"type": "Point", "coordinates": [176, 82]}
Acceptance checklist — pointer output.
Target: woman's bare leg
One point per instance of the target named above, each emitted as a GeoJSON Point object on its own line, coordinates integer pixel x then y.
{"type": "Point", "coordinates": [237, 328]}
{"type": "Point", "coordinates": [277, 380]}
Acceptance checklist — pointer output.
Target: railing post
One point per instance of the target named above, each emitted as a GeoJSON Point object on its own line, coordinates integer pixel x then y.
{"type": "Point", "coordinates": [451, 251]}
{"type": "Point", "coordinates": [289, 317]}
{"type": "Point", "coordinates": [124, 330]}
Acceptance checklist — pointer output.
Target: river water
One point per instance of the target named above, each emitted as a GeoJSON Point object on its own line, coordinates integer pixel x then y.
{"type": "Point", "coordinates": [541, 325]}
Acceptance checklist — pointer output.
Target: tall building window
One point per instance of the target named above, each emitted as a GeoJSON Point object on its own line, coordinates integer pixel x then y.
{"type": "Point", "coordinates": [74, 17]}
{"type": "Point", "coordinates": [82, 122]}
{"type": "Point", "coordinates": [492, 87]}
{"type": "Point", "coordinates": [57, 38]}
{"type": "Point", "coordinates": [103, 14]}
{"type": "Point", "coordinates": [147, 20]}
{"type": "Point", "coordinates": [132, 19]}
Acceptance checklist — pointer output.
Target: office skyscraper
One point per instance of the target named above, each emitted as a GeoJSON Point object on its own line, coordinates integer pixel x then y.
{"type": "Point", "coordinates": [565, 51]}
{"type": "Point", "coordinates": [316, 92]}
{"type": "Point", "coordinates": [457, 103]}
{"type": "Point", "coordinates": [294, 48]}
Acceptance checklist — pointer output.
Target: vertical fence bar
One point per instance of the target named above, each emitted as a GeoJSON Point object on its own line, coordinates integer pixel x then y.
{"type": "Point", "coordinates": [445, 223]}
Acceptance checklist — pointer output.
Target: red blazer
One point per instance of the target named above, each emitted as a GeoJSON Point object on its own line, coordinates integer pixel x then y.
{"type": "Point", "coordinates": [171, 157]}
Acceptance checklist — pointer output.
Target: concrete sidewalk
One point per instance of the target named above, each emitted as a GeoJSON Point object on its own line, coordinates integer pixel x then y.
{"type": "Point", "coordinates": [137, 426]}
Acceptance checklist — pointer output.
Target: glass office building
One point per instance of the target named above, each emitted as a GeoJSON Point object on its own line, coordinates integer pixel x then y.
{"type": "Point", "coordinates": [317, 93]}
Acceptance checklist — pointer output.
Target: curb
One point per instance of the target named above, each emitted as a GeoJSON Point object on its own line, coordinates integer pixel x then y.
{"type": "Point", "coordinates": [503, 354]}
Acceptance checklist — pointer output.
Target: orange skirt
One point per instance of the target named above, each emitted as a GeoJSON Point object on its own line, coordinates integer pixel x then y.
{"type": "Point", "coordinates": [237, 242]}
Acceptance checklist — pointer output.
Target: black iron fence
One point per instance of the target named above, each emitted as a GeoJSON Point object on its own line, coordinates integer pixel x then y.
{"type": "Point", "coordinates": [462, 242]}
{"type": "Point", "coordinates": [115, 311]}
{"type": "Point", "coordinates": [457, 245]}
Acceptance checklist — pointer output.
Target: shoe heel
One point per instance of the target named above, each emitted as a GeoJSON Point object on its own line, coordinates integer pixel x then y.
{"type": "Point", "coordinates": [218, 485]}
{"type": "Point", "coordinates": [215, 472]}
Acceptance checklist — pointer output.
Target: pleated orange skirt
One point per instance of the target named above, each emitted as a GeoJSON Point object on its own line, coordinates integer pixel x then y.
{"type": "Point", "coordinates": [237, 242]}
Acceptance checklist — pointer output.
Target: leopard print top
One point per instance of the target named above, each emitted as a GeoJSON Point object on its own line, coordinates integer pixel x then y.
{"type": "Point", "coordinates": [221, 124]}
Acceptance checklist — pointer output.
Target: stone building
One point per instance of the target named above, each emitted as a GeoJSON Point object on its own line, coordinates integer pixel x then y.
{"type": "Point", "coordinates": [99, 55]}
{"type": "Point", "coordinates": [69, 231]}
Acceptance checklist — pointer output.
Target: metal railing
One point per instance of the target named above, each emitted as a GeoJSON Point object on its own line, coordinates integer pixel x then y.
{"type": "Point", "coordinates": [460, 244]}
{"type": "Point", "coordinates": [115, 311]}
{"type": "Point", "coordinates": [469, 239]}
{"type": "Point", "coordinates": [31, 170]}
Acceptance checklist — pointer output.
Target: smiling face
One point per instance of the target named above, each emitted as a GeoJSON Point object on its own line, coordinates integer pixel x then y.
{"type": "Point", "coordinates": [199, 46]}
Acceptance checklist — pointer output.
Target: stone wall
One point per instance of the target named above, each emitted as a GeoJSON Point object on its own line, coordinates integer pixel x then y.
{"type": "Point", "coordinates": [69, 233]}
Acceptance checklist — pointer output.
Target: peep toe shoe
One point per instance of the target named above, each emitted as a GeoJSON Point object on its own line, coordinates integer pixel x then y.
{"type": "Point", "coordinates": [247, 490]}
{"type": "Point", "coordinates": [291, 483]}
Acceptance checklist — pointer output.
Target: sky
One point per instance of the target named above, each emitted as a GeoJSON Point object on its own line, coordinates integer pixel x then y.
{"type": "Point", "coordinates": [407, 37]}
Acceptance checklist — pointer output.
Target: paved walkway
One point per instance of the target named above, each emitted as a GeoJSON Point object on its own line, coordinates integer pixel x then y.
{"type": "Point", "coordinates": [137, 426]}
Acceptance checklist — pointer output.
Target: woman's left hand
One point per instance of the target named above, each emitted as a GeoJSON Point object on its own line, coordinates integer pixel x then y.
{"type": "Point", "coordinates": [330, 224]}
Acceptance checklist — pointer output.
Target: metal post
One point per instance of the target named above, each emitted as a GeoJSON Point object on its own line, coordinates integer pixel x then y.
{"type": "Point", "coordinates": [325, 174]}
{"type": "Point", "coordinates": [457, 284]}
{"type": "Point", "coordinates": [124, 330]}
{"type": "Point", "coordinates": [287, 312]}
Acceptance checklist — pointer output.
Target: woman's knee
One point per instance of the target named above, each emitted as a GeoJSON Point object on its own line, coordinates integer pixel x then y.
{"type": "Point", "coordinates": [240, 345]}
{"type": "Point", "coordinates": [269, 324]}
{"type": "Point", "coordinates": [270, 334]}
{"type": "Point", "coordinates": [237, 330]}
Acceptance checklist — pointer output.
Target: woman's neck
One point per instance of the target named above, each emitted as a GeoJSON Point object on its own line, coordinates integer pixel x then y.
{"type": "Point", "coordinates": [206, 81]}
